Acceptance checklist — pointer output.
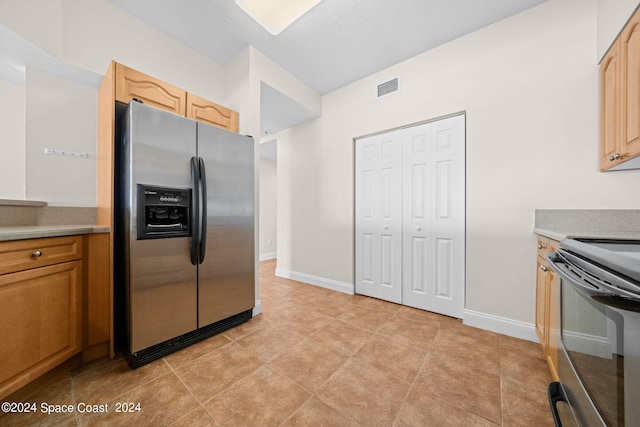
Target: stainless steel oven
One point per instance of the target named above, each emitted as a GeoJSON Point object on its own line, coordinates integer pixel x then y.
{"type": "Point", "coordinates": [599, 356]}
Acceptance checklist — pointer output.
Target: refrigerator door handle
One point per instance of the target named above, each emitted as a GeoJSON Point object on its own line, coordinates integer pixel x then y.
{"type": "Point", "coordinates": [195, 207]}
{"type": "Point", "coordinates": [203, 218]}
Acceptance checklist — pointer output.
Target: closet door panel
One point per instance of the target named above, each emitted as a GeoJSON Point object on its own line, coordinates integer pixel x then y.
{"type": "Point", "coordinates": [378, 176]}
{"type": "Point", "coordinates": [417, 192]}
{"type": "Point", "coordinates": [448, 227]}
{"type": "Point", "coordinates": [444, 269]}
{"type": "Point", "coordinates": [433, 213]}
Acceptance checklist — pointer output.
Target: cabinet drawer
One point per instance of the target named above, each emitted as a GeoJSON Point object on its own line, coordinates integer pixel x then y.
{"type": "Point", "coordinates": [546, 245]}
{"type": "Point", "coordinates": [21, 255]}
{"type": "Point", "coordinates": [543, 246]}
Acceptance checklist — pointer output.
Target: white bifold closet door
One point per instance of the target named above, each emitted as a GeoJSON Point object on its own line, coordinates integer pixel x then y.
{"type": "Point", "coordinates": [424, 187]}
{"type": "Point", "coordinates": [379, 216]}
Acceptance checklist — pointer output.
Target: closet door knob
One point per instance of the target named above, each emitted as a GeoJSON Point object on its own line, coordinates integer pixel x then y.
{"type": "Point", "coordinates": [386, 227]}
{"type": "Point", "coordinates": [419, 229]}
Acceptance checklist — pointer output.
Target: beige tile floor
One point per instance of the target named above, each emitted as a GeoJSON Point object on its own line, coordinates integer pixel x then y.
{"type": "Point", "coordinates": [318, 358]}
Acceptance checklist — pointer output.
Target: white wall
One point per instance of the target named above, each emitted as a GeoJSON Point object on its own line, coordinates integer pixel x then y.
{"type": "Point", "coordinates": [12, 128]}
{"type": "Point", "coordinates": [265, 70]}
{"type": "Point", "coordinates": [612, 16]}
{"type": "Point", "coordinates": [61, 115]}
{"type": "Point", "coordinates": [529, 87]}
{"type": "Point", "coordinates": [89, 34]}
{"type": "Point", "coordinates": [268, 209]}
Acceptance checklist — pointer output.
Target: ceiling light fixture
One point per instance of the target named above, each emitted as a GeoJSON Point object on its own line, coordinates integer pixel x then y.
{"type": "Point", "coordinates": [276, 15]}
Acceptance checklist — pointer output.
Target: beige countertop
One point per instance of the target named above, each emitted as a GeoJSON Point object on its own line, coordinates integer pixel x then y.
{"type": "Point", "coordinates": [587, 234]}
{"type": "Point", "coordinates": [36, 231]}
{"type": "Point", "coordinates": [558, 224]}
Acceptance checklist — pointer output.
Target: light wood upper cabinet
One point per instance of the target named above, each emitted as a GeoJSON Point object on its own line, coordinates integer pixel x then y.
{"type": "Point", "coordinates": [40, 308]}
{"type": "Point", "coordinates": [620, 100]}
{"type": "Point", "coordinates": [208, 112]}
{"type": "Point", "coordinates": [132, 84]}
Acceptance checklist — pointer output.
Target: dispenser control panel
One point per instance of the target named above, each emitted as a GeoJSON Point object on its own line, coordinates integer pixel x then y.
{"type": "Point", "coordinates": [163, 212]}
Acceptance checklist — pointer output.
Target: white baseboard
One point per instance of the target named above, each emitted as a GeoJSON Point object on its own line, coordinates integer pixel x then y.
{"type": "Point", "coordinates": [270, 255]}
{"type": "Point", "coordinates": [489, 322]}
{"type": "Point", "coordinates": [257, 309]}
{"type": "Point", "coordinates": [589, 344]}
{"type": "Point", "coordinates": [501, 325]}
{"type": "Point", "coordinates": [334, 285]}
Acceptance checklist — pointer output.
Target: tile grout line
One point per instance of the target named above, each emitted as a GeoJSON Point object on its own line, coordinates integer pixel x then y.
{"type": "Point", "coordinates": [413, 383]}
{"type": "Point", "coordinates": [74, 398]}
{"type": "Point", "coordinates": [298, 408]}
{"type": "Point", "coordinates": [200, 404]}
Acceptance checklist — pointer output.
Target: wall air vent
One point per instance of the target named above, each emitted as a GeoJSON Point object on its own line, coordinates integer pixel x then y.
{"type": "Point", "coordinates": [389, 87]}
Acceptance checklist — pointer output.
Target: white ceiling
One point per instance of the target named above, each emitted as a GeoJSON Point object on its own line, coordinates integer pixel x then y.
{"type": "Point", "coordinates": [334, 44]}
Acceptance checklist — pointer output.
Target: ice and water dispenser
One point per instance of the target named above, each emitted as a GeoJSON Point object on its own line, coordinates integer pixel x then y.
{"type": "Point", "coordinates": [163, 212]}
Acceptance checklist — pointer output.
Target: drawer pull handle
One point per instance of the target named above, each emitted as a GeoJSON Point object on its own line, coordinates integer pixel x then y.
{"type": "Point", "coordinates": [36, 254]}
{"type": "Point", "coordinates": [544, 268]}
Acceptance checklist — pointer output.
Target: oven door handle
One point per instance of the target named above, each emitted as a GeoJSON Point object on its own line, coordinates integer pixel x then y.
{"type": "Point", "coordinates": [560, 267]}
{"type": "Point", "coordinates": [556, 394]}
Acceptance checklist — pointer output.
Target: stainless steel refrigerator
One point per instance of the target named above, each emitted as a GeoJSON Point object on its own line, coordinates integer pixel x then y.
{"type": "Point", "coordinates": [184, 256]}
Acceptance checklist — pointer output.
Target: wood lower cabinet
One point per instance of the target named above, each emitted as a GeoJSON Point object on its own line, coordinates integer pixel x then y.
{"type": "Point", "coordinates": [547, 305]}
{"type": "Point", "coordinates": [40, 307]}
{"type": "Point", "coordinates": [96, 315]}
{"type": "Point", "coordinates": [620, 99]}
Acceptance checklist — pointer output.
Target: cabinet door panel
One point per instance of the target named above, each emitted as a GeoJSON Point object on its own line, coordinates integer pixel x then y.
{"type": "Point", "coordinates": [631, 88]}
{"type": "Point", "coordinates": [610, 107]}
{"type": "Point", "coordinates": [134, 84]}
{"type": "Point", "coordinates": [40, 314]}
{"type": "Point", "coordinates": [211, 113]}
{"type": "Point", "coordinates": [547, 305]}
{"type": "Point", "coordinates": [541, 299]}
{"type": "Point", "coordinates": [553, 331]}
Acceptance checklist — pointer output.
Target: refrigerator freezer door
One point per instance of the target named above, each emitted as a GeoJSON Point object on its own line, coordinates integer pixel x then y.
{"type": "Point", "coordinates": [226, 275]}
{"type": "Point", "coordinates": [162, 281]}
